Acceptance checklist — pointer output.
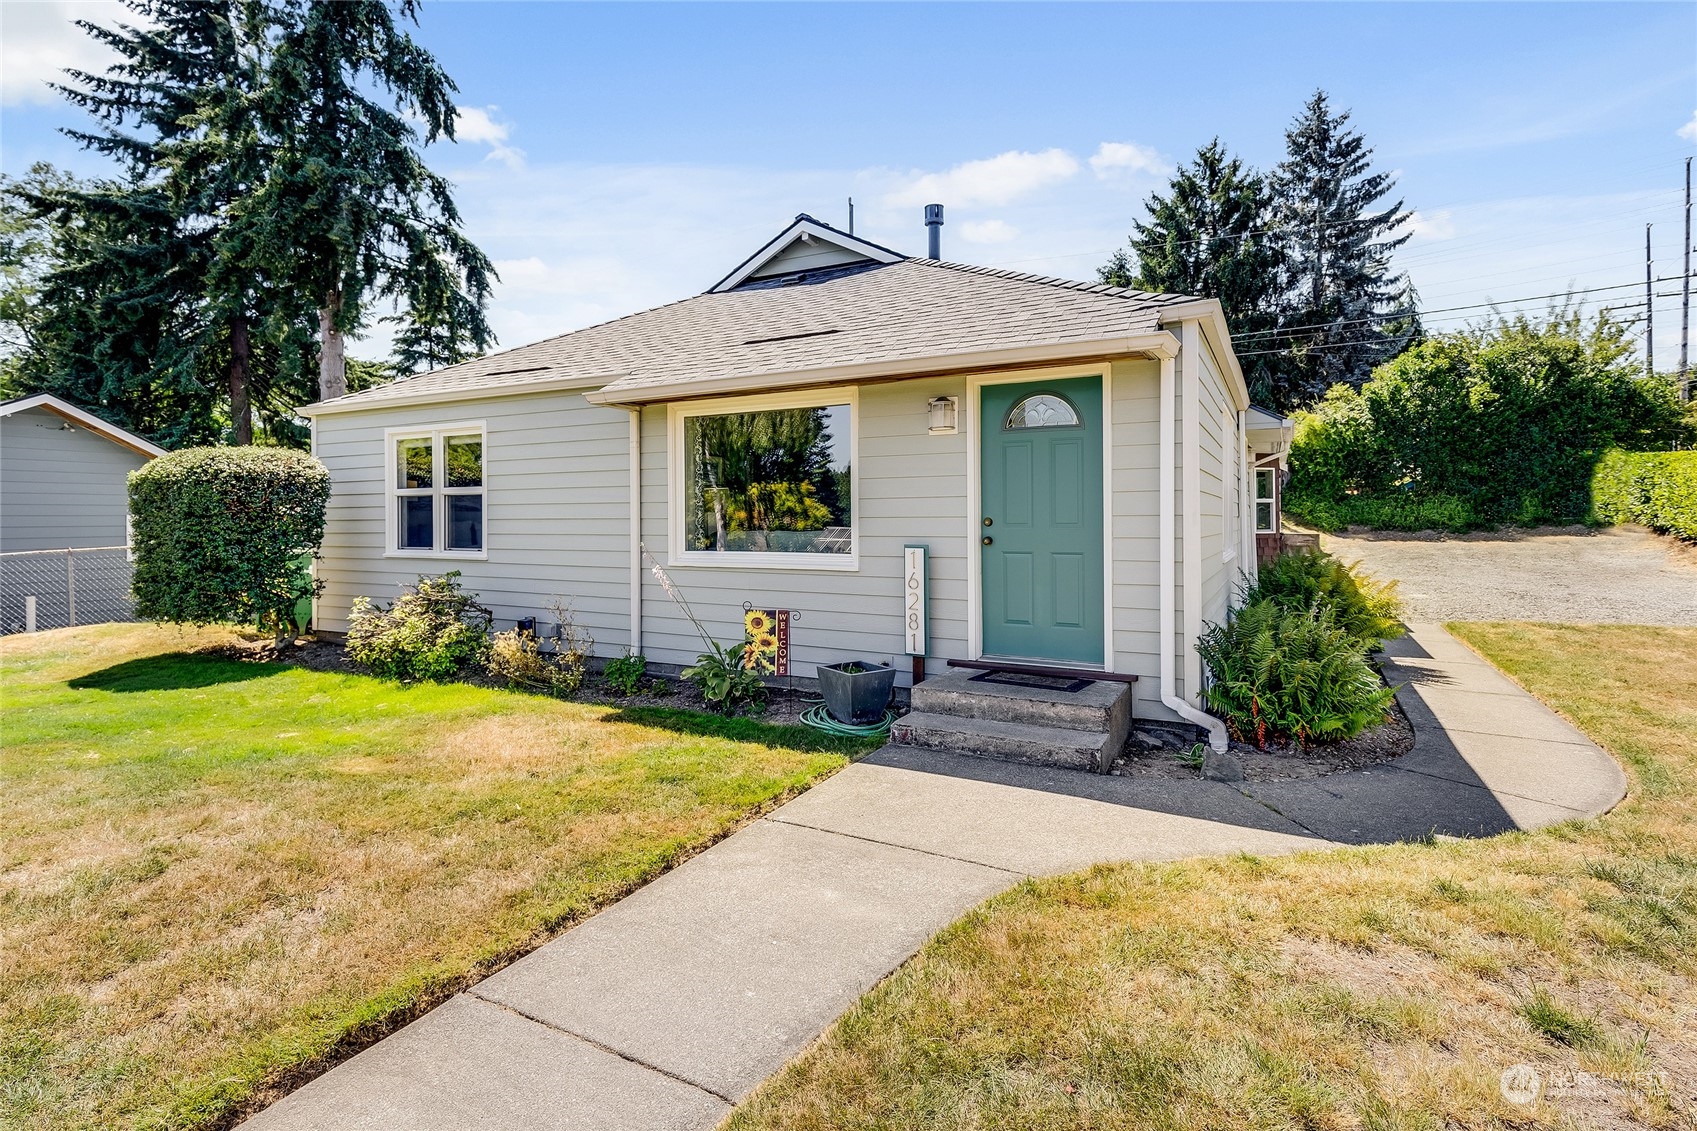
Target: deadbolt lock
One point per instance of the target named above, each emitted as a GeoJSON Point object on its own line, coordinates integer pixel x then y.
{"type": "Point", "coordinates": [989, 521]}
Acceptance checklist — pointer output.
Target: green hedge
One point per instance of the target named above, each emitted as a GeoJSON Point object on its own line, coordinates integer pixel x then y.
{"type": "Point", "coordinates": [1654, 489]}
{"type": "Point", "coordinates": [219, 534]}
{"type": "Point", "coordinates": [1499, 425]}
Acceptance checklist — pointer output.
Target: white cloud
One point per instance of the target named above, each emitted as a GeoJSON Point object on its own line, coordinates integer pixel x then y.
{"type": "Point", "coordinates": [988, 231]}
{"type": "Point", "coordinates": [994, 180]}
{"type": "Point", "coordinates": [477, 125]}
{"type": "Point", "coordinates": [1439, 225]}
{"type": "Point", "coordinates": [39, 40]}
{"type": "Point", "coordinates": [1689, 130]}
{"type": "Point", "coordinates": [1115, 157]}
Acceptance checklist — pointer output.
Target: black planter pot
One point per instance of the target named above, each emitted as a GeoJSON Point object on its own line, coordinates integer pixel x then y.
{"type": "Point", "coordinates": [857, 697]}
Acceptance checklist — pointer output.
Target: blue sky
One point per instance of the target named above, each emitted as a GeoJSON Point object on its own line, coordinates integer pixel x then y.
{"type": "Point", "coordinates": [619, 156]}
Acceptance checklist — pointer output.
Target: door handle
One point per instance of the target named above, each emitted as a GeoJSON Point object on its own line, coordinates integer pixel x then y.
{"type": "Point", "coordinates": [988, 540]}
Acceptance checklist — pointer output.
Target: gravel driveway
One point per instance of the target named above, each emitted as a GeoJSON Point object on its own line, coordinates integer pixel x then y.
{"type": "Point", "coordinates": [1613, 576]}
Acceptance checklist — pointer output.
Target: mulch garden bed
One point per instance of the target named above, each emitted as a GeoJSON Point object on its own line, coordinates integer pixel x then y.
{"type": "Point", "coordinates": [783, 705]}
{"type": "Point", "coordinates": [1155, 750]}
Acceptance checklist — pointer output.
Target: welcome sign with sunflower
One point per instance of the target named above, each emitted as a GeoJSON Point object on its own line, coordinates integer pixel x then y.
{"type": "Point", "coordinates": [768, 635]}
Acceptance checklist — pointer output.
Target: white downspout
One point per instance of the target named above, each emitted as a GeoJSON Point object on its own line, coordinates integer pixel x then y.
{"type": "Point", "coordinates": [1246, 499]}
{"type": "Point", "coordinates": [1169, 597]}
{"type": "Point", "coordinates": [636, 531]}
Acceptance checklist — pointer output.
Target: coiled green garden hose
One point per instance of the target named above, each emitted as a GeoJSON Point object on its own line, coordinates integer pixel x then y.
{"type": "Point", "coordinates": [819, 718]}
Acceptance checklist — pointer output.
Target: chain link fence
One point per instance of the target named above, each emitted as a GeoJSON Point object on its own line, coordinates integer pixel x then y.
{"type": "Point", "coordinates": [41, 589]}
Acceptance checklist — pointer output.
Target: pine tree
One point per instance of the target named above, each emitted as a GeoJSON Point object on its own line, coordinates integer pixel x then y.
{"type": "Point", "coordinates": [1211, 235]}
{"type": "Point", "coordinates": [114, 326]}
{"type": "Point", "coordinates": [353, 212]}
{"type": "Point", "coordinates": [178, 113]}
{"type": "Point", "coordinates": [1348, 311]}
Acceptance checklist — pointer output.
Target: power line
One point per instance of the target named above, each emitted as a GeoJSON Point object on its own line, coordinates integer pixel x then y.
{"type": "Point", "coordinates": [1391, 317]}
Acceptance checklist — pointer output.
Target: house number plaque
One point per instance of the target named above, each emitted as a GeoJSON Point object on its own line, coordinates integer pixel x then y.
{"type": "Point", "coordinates": [916, 597]}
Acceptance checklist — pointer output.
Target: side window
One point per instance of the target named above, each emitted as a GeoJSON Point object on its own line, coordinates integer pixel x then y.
{"type": "Point", "coordinates": [438, 493]}
{"type": "Point", "coordinates": [1266, 501]}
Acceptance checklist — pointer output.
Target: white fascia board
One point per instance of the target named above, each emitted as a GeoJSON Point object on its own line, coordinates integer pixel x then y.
{"type": "Point", "coordinates": [449, 396]}
{"type": "Point", "coordinates": [93, 423]}
{"type": "Point", "coordinates": [1160, 344]}
{"type": "Point", "coordinates": [1212, 317]}
{"type": "Point", "coordinates": [778, 243]}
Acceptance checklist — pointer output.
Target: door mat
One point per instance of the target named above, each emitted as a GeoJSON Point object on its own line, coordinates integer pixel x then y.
{"type": "Point", "coordinates": [1042, 682]}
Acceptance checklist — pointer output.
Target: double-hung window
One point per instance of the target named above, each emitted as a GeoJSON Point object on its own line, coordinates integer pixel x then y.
{"type": "Point", "coordinates": [1266, 498]}
{"type": "Point", "coordinates": [436, 491]}
{"type": "Point", "coordinates": [765, 481]}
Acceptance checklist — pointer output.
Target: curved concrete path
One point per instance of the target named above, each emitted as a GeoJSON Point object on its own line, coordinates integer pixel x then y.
{"type": "Point", "coordinates": [669, 1007]}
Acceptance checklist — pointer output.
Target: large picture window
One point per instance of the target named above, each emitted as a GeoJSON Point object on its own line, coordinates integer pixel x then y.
{"type": "Point", "coordinates": [767, 485]}
{"type": "Point", "coordinates": [437, 505]}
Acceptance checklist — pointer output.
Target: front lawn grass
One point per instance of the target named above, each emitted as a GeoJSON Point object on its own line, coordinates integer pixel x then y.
{"type": "Point", "coordinates": [218, 876]}
{"type": "Point", "coordinates": [1373, 988]}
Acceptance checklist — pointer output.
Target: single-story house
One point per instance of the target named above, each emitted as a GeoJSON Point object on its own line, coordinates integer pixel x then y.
{"type": "Point", "coordinates": [64, 475]}
{"type": "Point", "coordinates": [1076, 460]}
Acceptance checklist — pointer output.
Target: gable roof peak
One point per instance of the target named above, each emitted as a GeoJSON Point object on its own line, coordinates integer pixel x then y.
{"type": "Point", "coordinates": [806, 244]}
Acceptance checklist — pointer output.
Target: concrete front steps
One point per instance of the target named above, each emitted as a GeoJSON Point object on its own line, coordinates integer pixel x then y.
{"type": "Point", "coordinates": [1045, 720]}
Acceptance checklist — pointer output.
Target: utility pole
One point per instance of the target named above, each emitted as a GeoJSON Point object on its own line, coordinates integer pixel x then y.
{"type": "Point", "coordinates": [1649, 310]}
{"type": "Point", "coordinates": [1685, 299]}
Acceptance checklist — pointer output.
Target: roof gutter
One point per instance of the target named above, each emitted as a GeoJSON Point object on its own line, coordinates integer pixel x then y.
{"type": "Point", "coordinates": [1161, 344]}
{"type": "Point", "coordinates": [354, 403]}
{"type": "Point", "coordinates": [1212, 317]}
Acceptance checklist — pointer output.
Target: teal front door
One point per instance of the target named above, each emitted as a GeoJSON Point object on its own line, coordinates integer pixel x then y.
{"type": "Point", "coordinates": [1041, 526]}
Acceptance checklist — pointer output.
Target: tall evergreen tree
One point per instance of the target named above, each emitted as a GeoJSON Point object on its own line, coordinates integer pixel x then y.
{"type": "Point", "coordinates": [354, 213]}
{"type": "Point", "coordinates": [266, 198]}
{"type": "Point", "coordinates": [177, 112]}
{"type": "Point", "coordinates": [1348, 310]}
{"type": "Point", "coordinates": [1211, 235]}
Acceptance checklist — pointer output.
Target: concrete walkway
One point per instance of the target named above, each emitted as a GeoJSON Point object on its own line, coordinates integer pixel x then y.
{"type": "Point", "coordinates": [669, 1007]}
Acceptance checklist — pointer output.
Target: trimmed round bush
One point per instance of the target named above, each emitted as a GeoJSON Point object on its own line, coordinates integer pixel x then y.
{"type": "Point", "coordinates": [224, 535]}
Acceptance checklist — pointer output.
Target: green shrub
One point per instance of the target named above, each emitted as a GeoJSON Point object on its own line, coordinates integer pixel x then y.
{"type": "Point", "coordinates": [725, 682]}
{"type": "Point", "coordinates": [1367, 609]}
{"type": "Point", "coordinates": [1279, 672]}
{"type": "Point", "coordinates": [220, 534]}
{"type": "Point", "coordinates": [1397, 509]}
{"type": "Point", "coordinates": [1496, 425]}
{"type": "Point", "coordinates": [432, 631]}
{"type": "Point", "coordinates": [1654, 489]}
{"type": "Point", "coordinates": [624, 674]}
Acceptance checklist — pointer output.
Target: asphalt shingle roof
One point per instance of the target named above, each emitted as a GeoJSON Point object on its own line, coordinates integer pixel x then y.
{"type": "Point", "coordinates": [866, 313]}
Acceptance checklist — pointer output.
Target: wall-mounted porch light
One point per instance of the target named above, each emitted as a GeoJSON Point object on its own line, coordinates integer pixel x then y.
{"type": "Point", "coordinates": [944, 413]}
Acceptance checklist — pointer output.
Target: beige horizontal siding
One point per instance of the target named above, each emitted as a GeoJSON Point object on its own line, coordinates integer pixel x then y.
{"type": "Point", "coordinates": [555, 511]}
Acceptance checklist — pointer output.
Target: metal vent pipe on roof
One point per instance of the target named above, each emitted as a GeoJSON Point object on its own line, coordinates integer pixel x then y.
{"type": "Point", "coordinates": [934, 229]}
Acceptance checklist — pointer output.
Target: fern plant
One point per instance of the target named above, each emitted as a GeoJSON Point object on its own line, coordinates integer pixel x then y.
{"type": "Point", "coordinates": [1280, 672]}
{"type": "Point", "coordinates": [1368, 609]}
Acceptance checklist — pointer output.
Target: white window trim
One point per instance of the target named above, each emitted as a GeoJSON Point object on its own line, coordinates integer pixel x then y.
{"type": "Point", "coordinates": [677, 412]}
{"type": "Point", "coordinates": [1273, 499]}
{"type": "Point", "coordinates": [435, 433]}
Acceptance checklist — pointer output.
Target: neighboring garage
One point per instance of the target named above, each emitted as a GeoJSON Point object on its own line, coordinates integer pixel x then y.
{"type": "Point", "coordinates": [64, 508]}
